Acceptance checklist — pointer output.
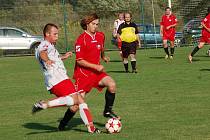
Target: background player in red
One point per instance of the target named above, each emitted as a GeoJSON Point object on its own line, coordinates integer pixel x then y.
{"type": "Point", "coordinates": [88, 72]}
{"type": "Point", "coordinates": [205, 38]}
{"type": "Point", "coordinates": [56, 79]}
{"type": "Point", "coordinates": [167, 31]}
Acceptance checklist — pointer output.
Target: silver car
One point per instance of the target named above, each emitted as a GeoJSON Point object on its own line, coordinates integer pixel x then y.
{"type": "Point", "coordinates": [17, 39]}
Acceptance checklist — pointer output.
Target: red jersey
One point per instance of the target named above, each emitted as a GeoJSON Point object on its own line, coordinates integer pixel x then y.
{"type": "Point", "coordinates": [167, 21]}
{"type": "Point", "coordinates": [206, 21]}
{"type": "Point", "coordinates": [88, 48]}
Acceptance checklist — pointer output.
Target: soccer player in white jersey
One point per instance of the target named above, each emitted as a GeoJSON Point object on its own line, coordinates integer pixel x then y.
{"type": "Point", "coordinates": [117, 23]}
{"type": "Point", "coordinates": [56, 79]}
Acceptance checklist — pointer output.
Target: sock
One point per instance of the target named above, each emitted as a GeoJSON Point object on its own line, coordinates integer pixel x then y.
{"type": "Point", "coordinates": [133, 64]}
{"type": "Point", "coordinates": [86, 117]}
{"type": "Point", "coordinates": [68, 116]}
{"type": "Point", "coordinates": [119, 43]}
{"type": "Point", "coordinates": [61, 101]}
{"type": "Point", "coordinates": [126, 66]}
{"type": "Point", "coordinates": [166, 51]}
{"type": "Point", "coordinates": [172, 51]}
{"type": "Point", "coordinates": [195, 50]}
{"type": "Point", "coordinates": [109, 101]}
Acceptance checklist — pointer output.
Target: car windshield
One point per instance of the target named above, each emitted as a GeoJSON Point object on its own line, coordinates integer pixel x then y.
{"type": "Point", "coordinates": [149, 28]}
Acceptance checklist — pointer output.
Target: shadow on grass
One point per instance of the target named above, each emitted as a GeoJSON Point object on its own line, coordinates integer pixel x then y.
{"type": "Point", "coordinates": [157, 57]}
{"type": "Point", "coordinates": [115, 61]}
{"type": "Point", "coordinates": [204, 69]}
{"type": "Point", "coordinates": [117, 71]}
{"type": "Point", "coordinates": [46, 128]}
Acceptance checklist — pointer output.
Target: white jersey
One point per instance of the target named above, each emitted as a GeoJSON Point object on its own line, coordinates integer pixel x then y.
{"type": "Point", "coordinates": [117, 24]}
{"type": "Point", "coordinates": [55, 73]}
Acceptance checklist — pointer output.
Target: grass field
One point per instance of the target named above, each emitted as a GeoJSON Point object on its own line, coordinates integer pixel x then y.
{"type": "Point", "coordinates": [166, 100]}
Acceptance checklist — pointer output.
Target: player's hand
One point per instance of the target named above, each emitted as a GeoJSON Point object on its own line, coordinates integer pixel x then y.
{"type": "Point", "coordinates": [67, 54]}
{"type": "Point", "coordinates": [168, 27]}
{"type": "Point", "coordinates": [161, 34]}
{"type": "Point", "coordinates": [106, 59]}
{"type": "Point", "coordinates": [49, 62]}
{"type": "Point", "coordinates": [139, 44]}
{"type": "Point", "coordinates": [99, 68]}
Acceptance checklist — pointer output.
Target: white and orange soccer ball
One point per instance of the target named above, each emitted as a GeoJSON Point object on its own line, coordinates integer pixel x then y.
{"type": "Point", "coordinates": [113, 125]}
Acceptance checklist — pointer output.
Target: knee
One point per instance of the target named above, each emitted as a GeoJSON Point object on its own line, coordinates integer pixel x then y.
{"type": "Point", "coordinates": [74, 108]}
{"type": "Point", "coordinates": [112, 87]}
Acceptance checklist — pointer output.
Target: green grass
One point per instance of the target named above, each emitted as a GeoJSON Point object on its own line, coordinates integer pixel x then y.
{"type": "Point", "coordinates": [166, 100]}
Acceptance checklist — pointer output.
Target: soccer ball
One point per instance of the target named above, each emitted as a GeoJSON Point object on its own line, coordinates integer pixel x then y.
{"type": "Point", "coordinates": [113, 125]}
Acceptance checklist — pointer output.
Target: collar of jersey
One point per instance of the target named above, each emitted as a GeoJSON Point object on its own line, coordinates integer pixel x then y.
{"type": "Point", "coordinates": [93, 37]}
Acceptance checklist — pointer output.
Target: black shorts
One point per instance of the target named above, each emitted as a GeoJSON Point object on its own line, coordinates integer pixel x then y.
{"type": "Point", "coordinates": [129, 48]}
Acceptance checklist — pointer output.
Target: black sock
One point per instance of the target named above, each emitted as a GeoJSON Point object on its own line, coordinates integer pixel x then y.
{"type": "Point", "coordinates": [126, 66]}
{"type": "Point", "coordinates": [133, 64]}
{"type": "Point", "coordinates": [109, 101]}
{"type": "Point", "coordinates": [195, 50]}
{"type": "Point", "coordinates": [68, 116]}
{"type": "Point", "coordinates": [166, 51]}
{"type": "Point", "coordinates": [172, 51]}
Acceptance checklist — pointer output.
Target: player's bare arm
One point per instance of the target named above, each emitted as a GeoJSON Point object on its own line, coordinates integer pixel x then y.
{"type": "Point", "coordinates": [104, 58]}
{"type": "Point", "coordinates": [84, 63]}
{"type": "Point", "coordinates": [173, 25]}
{"type": "Point", "coordinates": [66, 55]}
{"type": "Point", "coordinates": [45, 58]}
{"type": "Point", "coordinates": [139, 40]}
{"type": "Point", "coordinates": [161, 30]}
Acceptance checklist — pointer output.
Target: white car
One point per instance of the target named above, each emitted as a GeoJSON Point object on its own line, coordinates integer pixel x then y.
{"type": "Point", "coordinates": [17, 39]}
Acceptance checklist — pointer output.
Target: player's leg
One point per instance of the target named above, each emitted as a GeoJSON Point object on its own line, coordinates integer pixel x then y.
{"type": "Point", "coordinates": [86, 115]}
{"type": "Point", "coordinates": [133, 56]}
{"type": "Point", "coordinates": [108, 82]}
{"type": "Point", "coordinates": [69, 114]}
{"type": "Point", "coordinates": [165, 46]}
{"type": "Point", "coordinates": [172, 49]}
{"type": "Point", "coordinates": [125, 55]}
{"type": "Point", "coordinates": [195, 50]}
{"type": "Point", "coordinates": [68, 100]}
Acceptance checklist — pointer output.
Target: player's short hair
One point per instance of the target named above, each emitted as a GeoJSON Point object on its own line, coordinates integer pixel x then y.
{"type": "Point", "coordinates": [208, 10]}
{"type": "Point", "coordinates": [88, 19]}
{"type": "Point", "coordinates": [167, 8]}
{"type": "Point", "coordinates": [127, 13]}
{"type": "Point", "coordinates": [48, 27]}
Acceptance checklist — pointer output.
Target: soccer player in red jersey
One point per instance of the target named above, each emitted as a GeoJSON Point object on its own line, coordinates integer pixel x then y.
{"type": "Point", "coordinates": [56, 79]}
{"type": "Point", "coordinates": [88, 72]}
{"type": "Point", "coordinates": [205, 38]}
{"type": "Point", "coordinates": [167, 31]}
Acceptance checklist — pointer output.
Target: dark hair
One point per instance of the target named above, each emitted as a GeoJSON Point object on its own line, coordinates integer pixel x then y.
{"type": "Point", "coordinates": [47, 28]}
{"type": "Point", "coordinates": [88, 19]}
{"type": "Point", "coordinates": [167, 8]}
{"type": "Point", "coordinates": [127, 13]}
{"type": "Point", "coordinates": [208, 10]}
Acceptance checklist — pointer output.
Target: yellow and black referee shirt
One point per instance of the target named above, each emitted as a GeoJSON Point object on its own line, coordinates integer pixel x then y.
{"type": "Point", "coordinates": [128, 32]}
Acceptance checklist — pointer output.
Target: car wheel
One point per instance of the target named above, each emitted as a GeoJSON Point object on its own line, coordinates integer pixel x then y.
{"type": "Point", "coordinates": [33, 48]}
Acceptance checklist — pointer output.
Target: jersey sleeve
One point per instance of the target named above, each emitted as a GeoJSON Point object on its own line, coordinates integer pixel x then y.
{"type": "Point", "coordinates": [79, 48]}
{"type": "Point", "coordinates": [119, 31]}
{"type": "Point", "coordinates": [175, 20]}
{"type": "Point", "coordinates": [206, 19]}
{"type": "Point", "coordinates": [162, 21]}
{"type": "Point", "coordinates": [136, 29]}
{"type": "Point", "coordinates": [43, 46]}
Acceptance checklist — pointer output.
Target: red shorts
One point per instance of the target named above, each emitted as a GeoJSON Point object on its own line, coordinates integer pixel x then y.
{"type": "Point", "coordinates": [64, 88]}
{"type": "Point", "coordinates": [86, 83]}
{"type": "Point", "coordinates": [171, 38]}
{"type": "Point", "coordinates": [205, 39]}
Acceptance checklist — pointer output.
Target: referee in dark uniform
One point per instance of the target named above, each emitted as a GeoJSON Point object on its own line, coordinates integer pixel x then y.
{"type": "Point", "coordinates": [128, 33]}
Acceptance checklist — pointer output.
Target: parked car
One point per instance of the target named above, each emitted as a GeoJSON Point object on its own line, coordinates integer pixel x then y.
{"type": "Point", "coordinates": [151, 38]}
{"type": "Point", "coordinates": [17, 39]}
{"type": "Point", "coordinates": [192, 31]}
